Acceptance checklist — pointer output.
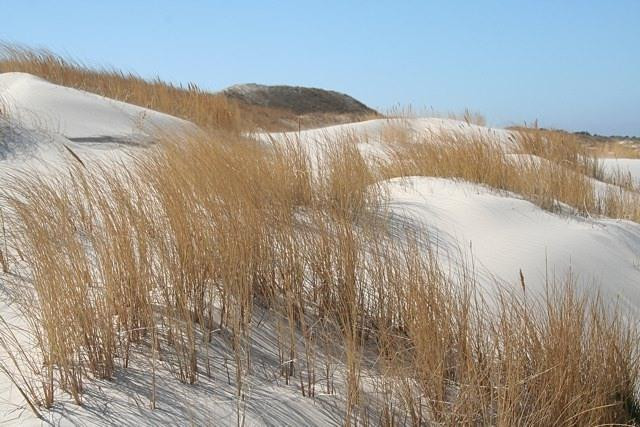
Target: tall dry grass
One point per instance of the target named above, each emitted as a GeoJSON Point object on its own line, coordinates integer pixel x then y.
{"type": "Point", "coordinates": [477, 158]}
{"type": "Point", "coordinates": [549, 168]}
{"type": "Point", "coordinates": [468, 116]}
{"type": "Point", "coordinates": [560, 147]}
{"type": "Point", "coordinates": [207, 110]}
{"type": "Point", "coordinates": [448, 360]}
{"type": "Point", "coordinates": [618, 150]}
{"type": "Point", "coordinates": [621, 198]}
{"type": "Point", "coordinates": [207, 229]}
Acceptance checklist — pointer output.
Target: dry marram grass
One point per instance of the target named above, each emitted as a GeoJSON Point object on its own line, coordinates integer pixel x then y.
{"type": "Point", "coordinates": [208, 229]}
{"type": "Point", "coordinates": [207, 110]}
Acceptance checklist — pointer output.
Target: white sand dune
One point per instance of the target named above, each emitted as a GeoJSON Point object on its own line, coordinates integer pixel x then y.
{"type": "Point", "coordinates": [370, 130]}
{"type": "Point", "coordinates": [369, 135]}
{"type": "Point", "coordinates": [497, 233]}
{"type": "Point", "coordinates": [75, 114]}
{"type": "Point", "coordinates": [500, 235]}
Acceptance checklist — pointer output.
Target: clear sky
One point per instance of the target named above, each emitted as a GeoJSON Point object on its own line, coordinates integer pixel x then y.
{"type": "Point", "coordinates": [570, 64]}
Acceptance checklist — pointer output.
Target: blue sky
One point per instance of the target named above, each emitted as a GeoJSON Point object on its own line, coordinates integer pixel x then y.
{"type": "Point", "coordinates": [569, 64]}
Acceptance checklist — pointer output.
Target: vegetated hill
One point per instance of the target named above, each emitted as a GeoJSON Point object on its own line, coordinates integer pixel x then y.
{"type": "Point", "coordinates": [300, 100]}
{"type": "Point", "coordinates": [301, 106]}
